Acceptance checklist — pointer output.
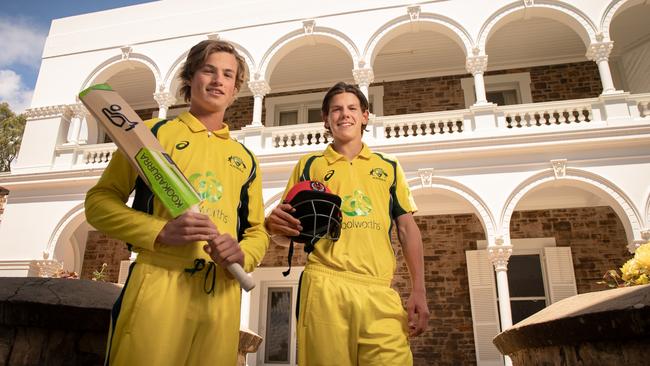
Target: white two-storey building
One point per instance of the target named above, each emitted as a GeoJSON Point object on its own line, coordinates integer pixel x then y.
{"type": "Point", "coordinates": [523, 128]}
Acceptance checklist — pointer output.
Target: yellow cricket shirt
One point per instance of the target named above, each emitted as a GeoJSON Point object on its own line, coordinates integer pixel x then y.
{"type": "Point", "coordinates": [374, 192]}
{"type": "Point", "coordinates": [222, 170]}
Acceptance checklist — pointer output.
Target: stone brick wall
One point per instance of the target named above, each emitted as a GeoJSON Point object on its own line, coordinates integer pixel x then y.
{"type": "Point", "coordinates": [548, 83]}
{"type": "Point", "coordinates": [240, 113]}
{"type": "Point", "coordinates": [560, 82]}
{"type": "Point", "coordinates": [595, 234]}
{"type": "Point", "coordinates": [100, 248]}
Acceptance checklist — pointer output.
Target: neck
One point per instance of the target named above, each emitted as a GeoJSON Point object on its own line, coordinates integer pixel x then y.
{"type": "Point", "coordinates": [348, 149]}
{"type": "Point", "coordinates": [212, 120]}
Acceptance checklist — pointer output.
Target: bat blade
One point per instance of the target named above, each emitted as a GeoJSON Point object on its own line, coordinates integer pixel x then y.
{"type": "Point", "coordinates": [148, 157]}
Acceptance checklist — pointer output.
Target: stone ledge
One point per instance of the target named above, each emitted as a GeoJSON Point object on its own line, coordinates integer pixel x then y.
{"type": "Point", "coordinates": [583, 327]}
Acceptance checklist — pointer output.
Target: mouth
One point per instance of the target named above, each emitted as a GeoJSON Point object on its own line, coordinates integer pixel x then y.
{"type": "Point", "coordinates": [215, 91]}
{"type": "Point", "coordinates": [344, 124]}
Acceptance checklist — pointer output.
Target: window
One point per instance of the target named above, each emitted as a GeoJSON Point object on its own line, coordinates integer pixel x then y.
{"type": "Point", "coordinates": [272, 315]}
{"type": "Point", "coordinates": [506, 89]}
{"type": "Point", "coordinates": [306, 108]}
{"type": "Point", "coordinates": [539, 273]}
{"type": "Point", "coordinates": [526, 286]}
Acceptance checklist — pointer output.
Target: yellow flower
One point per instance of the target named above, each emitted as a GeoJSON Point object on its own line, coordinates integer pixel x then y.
{"type": "Point", "coordinates": [642, 280]}
{"type": "Point", "coordinates": [642, 256]}
{"type": "Point", "coordinates": [630, 270]}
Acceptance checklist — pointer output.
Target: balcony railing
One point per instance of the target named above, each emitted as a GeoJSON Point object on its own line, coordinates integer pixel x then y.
{"type": "Point", "coordinates": [406, 129]}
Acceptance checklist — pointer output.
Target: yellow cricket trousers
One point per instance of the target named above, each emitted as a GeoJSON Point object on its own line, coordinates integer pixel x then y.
{"type": "Point", "coordinates": [348, 319]}
{"type": "Point", "coordinates": [165, 317]}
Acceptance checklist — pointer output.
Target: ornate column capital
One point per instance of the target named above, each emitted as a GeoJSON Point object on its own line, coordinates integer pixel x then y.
{"type": "Point", "coordinates": [476, 64]}
{"type": "Point", "coordinates": [259, 87]}
{"type": "Point", "coordinates": [78, 110]}
{"type": "Point", "coordinates": [164, 99]}
{"type": "Point", "coordinates": [499, 254]}
{"type": "Point", "coordinates": [599, 51]}
{"type": "Point", "coordinates": [363, 76]}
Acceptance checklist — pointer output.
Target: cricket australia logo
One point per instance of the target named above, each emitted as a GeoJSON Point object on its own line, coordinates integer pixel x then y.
{"type": "Point", "coordinates": [237, 163]}
{"type": "Point", "coordinates": [207, 186]}
{"type": "Point", "coordinates": [378, 173]}
{"type": "Point", "coordinates": [117, 118]}
{"type": "Point", "coordinates": [356, 204]}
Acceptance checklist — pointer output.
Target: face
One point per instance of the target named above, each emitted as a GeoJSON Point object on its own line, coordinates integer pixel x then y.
{"type": "Point", "coordinates": [345, 118]}
{"type": "Point", "coordinates": [213, 84]}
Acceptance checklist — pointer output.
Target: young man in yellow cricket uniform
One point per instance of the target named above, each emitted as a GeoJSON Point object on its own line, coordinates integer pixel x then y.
{"type": "Point", "coordinates": [178, 306]}
{"type": "Point", "coordinates": [349, 314]}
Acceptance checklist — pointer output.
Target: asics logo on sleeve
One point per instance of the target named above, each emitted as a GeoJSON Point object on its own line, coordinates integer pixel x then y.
{"type": "Point", "coordinates": [182, 145]}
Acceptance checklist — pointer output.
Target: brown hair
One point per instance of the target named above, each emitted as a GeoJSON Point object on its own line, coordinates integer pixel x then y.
{"type": "Point", "coordinates": [339, 88]}
{"type": "Point", "coordinates": [196, 58]}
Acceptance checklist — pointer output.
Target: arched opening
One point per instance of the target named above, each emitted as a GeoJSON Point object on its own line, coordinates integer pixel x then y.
{"type": "Point", "coordinates": [630, 57]}
{"type": "Point", "coordinates": [537, 55]}
{"type": "Point", "coordinates": [136, 83]}
{"type": "Point", "coordinates": [419, 64]}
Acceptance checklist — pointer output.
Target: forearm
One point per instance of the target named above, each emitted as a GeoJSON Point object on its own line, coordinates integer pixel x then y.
{"type": "Point", "coordinates": [411, 241]}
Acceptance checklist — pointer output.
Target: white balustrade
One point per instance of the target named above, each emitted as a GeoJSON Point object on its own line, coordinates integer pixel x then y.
{"type": "Point", "coordinates": [547, 114]}
{"type": "Point", "coordinates": [421, 124]}
{"type": "Point", "coordinates": [642, 102]}
{"type": "Point", "coordinates": [405, 129]}
{"type": "Point", "coordinates": [94, 155]}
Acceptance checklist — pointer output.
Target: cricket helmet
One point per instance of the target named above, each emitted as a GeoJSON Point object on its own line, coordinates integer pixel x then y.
{"type": "Point", "coordinates": [319, 212]}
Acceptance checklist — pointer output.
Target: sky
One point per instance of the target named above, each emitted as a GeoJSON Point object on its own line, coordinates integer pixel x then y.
{"type": "Point", "coordinates": [24, 25]}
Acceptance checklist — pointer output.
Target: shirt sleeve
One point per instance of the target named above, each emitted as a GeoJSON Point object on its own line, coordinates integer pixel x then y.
{"type": "Point", "coordinates": [255, 240]}
{"type": "Point", "coordinates": [402, 197]}
{"type": "Point", "coordinates": [106, 208]}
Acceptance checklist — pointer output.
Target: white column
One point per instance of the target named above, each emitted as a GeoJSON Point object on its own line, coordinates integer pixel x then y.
{"type": "Point", "coordinates": [364, 77]}
{"type": "Point", "coordinates": [499, 255]}
{"type": "Point", "coordinates": [165, 100]}
{"type": "Point", "coordinates": [476, 65]}
{"type": "Point", "coordinates": [78, 113]}
{"type": "Point", "coordinates": [599, 53]}
{"type": "Point", "coordinates": [259, 88]}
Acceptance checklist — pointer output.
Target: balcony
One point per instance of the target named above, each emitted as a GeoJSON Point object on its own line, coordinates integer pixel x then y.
{"type": "Point", "coordinates": [455, 128]}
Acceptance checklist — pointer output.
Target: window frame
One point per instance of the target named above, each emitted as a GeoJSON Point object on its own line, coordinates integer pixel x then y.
{"type": "Point", "coordinates": [519, 81]}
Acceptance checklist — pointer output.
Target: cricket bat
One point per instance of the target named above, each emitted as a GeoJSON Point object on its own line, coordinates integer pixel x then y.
{"type": "Point", "coordinates": [148, 157]}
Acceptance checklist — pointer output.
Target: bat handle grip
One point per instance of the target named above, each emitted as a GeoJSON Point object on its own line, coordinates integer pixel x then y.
{"type": "Point", "coordinates": [245, 280]}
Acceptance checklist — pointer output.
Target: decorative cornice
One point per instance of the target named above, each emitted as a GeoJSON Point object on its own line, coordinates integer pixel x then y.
{"type": "Point", "coordinates": [50, 111]}
{"type": "Point", "coordinates": [414, 12]}
{"type": "Point", "coordinates": [599, 51]}
{"type": "Point", "coordinates": [559, 168]}
{"type": "Point", "coordinates": [529, 3]}
{"type": "Point", "coordinates": [126, 52]}
{"type": "Point", "coordinates": [363, 77]}
{"type": "Point", "coordinates": [164, 99]}
{"type": "Point", "coordinates": [426, 176]}
{"type": "Point", "coordinates": [308, 26]}
{"type": "Point", "coordinates": [476, 64]}
{"type": "Point", "coordinates": [78, 110]}
{"type": "Point", "coordinates": [259, 88]}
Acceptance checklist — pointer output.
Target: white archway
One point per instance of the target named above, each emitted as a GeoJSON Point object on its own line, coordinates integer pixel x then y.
{"type": "Point", "coordinates": [105, 66]}
{"type": "Point", "coordinates": [291, 41]}
{"type": "Point", "coordinates": [614, 8]}
{"type": "Point", "coordinates": [64, 233]}
{"type": "Point", "coordinates": [562, 12]}
{"type": "Point", "coordinates": [480, 207]}
{"type": "Point", "coordinates": [448, 27]}
{"type": "Point", "coordinates": [621, 204]}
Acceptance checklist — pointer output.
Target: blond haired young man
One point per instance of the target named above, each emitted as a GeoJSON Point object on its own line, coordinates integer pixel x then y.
{"type": "Point", "coordinates": [179, 305]}
{"type": "Point", "coordinates": [349, 314]}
